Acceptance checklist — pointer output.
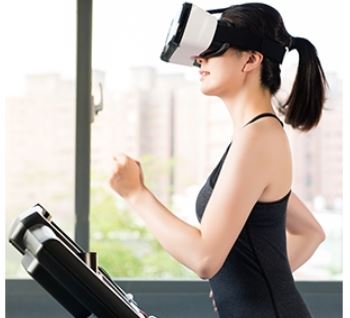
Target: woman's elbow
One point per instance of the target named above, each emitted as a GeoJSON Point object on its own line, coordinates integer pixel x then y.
{"type": "Point", "coordinates": [317, 235]}
{"type": "Point", "coordinates": [205, 273]}
{"type": "Point", "coordinates": [321, 235]}
{"type": "Point", "coordinates": [207, 269]}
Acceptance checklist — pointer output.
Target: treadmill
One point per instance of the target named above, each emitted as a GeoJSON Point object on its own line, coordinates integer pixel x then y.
{"type": "Point", "coordinates": [70, 274]}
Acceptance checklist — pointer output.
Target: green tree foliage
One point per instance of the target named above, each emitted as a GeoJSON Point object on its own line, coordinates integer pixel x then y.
{"type": "Point", "coordinates": [124, 246]}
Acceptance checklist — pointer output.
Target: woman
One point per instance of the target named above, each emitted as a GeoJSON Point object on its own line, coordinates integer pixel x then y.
{"type": "Point", "coordinates": [254, 231]}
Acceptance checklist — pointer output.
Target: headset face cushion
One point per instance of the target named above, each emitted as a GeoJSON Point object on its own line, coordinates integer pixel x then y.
{"type": "Point", "coordinates": [215, 49]}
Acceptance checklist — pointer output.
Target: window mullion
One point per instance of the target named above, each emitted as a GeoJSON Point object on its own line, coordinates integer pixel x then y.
{"type": "Point", "coordinates": [83, 116]}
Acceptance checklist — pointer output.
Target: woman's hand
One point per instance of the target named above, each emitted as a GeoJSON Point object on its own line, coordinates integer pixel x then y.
{"type": "Point", "coordinates": [127, 176]}
{"type": "Point", "coordinates": [211, 296]}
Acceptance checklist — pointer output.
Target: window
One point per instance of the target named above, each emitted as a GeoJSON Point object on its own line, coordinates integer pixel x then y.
{"type": "Point", "coordinates": [40, 114]}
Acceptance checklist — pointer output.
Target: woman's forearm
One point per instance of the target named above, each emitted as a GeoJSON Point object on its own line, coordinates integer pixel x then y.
{"type": "Point", "coordinates": [300, 247]}
{"type": "Point", "coordinates": [304, 232]}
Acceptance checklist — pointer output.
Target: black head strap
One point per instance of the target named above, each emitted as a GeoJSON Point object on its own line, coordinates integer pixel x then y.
{"type": "Point", "coordinates": [246, 40]}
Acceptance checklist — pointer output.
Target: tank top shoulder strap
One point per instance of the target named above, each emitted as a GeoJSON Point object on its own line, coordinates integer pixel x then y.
{"type": "Point", "coordinates": [263, 115]}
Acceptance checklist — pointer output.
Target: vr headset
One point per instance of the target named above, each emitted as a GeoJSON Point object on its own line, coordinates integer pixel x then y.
{"type": "Point", "coordinates": [195, 32]}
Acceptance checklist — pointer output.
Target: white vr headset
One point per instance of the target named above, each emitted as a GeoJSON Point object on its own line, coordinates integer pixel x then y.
{"type": "Point", "coordinates": [195, 32]}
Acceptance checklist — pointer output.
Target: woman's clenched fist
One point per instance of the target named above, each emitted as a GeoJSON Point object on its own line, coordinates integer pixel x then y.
{"type": "Point", "coordinates": [127, 176]}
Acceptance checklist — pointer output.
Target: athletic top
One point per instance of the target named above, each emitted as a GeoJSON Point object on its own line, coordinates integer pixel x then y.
{"type": "Point", "coordinates": [255, 280]}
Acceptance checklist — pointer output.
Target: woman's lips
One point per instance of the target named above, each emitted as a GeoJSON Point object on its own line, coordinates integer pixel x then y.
{"type": "Point", "coordinates": [203, 74]}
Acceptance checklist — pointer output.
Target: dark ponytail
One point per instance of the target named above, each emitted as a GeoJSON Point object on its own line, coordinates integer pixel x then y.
{"type": "Point", "coordinates": [303, 107]}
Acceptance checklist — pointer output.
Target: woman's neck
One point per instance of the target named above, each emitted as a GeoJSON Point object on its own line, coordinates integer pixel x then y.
{"type": "Point", "coordinates": [246, 104]}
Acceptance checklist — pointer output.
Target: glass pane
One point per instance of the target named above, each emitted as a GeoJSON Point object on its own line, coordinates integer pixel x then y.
{"type": "Point", "coordinates": [40, 114]}
{"type": "Point", "coordinates": [154, 111]}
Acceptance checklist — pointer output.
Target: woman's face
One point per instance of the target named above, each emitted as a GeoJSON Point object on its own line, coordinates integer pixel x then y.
{"type": "Point", "coordinates": [222, 75]}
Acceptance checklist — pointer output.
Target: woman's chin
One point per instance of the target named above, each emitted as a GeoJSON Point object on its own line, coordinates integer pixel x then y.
{"type": "Point", "coordinates": [207, 90]}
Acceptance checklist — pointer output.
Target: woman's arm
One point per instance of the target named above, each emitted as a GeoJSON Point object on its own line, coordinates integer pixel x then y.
{"type": "Point", "coordinates": [238, 187]}
{"type": "Point", "coordinates": [304, 233]}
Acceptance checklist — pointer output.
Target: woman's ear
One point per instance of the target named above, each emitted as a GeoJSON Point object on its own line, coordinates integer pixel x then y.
{"type": "Point", "coordinates": [254, 60]}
